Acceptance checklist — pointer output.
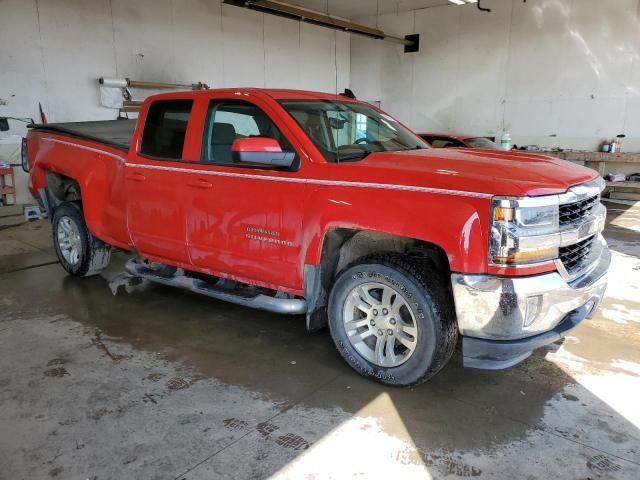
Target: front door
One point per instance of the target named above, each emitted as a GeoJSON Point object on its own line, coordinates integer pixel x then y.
{"type": "Point", "coordinates": [245, 222]}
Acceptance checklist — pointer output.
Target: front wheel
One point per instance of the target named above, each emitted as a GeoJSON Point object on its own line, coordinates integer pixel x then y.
{"type": "Point", "coordinates": [390, 322]}
{"type": "Point", "coordinates": [80, 253]}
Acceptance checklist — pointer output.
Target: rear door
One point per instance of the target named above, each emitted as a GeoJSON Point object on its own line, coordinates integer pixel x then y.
{"type": "Point", "coordinates": [156, 181]}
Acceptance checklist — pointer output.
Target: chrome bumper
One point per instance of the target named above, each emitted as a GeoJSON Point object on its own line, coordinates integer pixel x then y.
{"type": "Point", "coordinates": [515, 310]}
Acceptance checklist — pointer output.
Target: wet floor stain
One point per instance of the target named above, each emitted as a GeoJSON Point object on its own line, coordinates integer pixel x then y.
{"type": "Point", "coordinates": [292, 441]}
{"type": "Point", "coordinates": [571, 398]}
{"type": "Point", "coordinates": [54, 472]}
{"type": "Point", "coordinates": [155, 377]}
{"type": "Point", "coordinates": [602, 463]}
{"type": "Point", "coordinates": [452, 466]}
{"type": "Point", "coordinates": [97, 341]}
{"type": "Point", "coordinates": [68, 422]}
{"type": "Point", "coordinates": [235, 424]}
{"type": "Point", "coordinates": [56, 372]}
{"type": "Point", "coordinates": [265, 428]}
{"type": "Point", "coordinates": [55, 361]}
{"type": "Point", "coordinates": [98, 414]}
{"type": "Point", "coordinates": [178, 383]}
{"type": "Point", "coordinates": [150, 398]}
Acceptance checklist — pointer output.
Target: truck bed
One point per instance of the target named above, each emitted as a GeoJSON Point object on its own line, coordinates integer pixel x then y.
{"type": "Point", "coordinates": [115, 133]}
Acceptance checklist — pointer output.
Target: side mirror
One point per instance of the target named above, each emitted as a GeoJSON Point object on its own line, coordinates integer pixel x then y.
{"type": "Point", "coordinates": [261, 151]}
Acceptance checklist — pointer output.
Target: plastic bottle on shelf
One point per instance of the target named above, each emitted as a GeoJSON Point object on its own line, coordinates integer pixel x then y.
{"type": "Point", "coordinates": [505, 142]}
{"type": "Point", "coordinates": [619, 143]}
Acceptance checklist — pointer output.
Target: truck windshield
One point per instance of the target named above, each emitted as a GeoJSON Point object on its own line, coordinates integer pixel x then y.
{"type": "Point", "coordinates": [348, 131]}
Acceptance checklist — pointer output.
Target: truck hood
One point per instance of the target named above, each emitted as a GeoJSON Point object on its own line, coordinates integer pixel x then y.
{"type": "Point", "coordinates": [474, 170]}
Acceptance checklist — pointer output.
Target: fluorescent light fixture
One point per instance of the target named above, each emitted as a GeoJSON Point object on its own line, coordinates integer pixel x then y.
{"type": "Point", "coordinates": [462, 2]}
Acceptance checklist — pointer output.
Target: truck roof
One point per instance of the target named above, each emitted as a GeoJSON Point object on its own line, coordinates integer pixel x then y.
{"type": "Point", "coordinates": [119, 133]}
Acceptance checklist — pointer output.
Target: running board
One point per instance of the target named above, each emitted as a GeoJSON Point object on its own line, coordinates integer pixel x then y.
{"type": "Point", "coordinates": [288, 306]}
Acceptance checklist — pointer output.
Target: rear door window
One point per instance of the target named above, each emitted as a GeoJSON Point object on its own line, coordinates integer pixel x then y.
{"type": "Point", "coordinates": [165, 129]}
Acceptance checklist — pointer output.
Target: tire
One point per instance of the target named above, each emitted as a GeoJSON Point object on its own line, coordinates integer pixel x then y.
{"type": "Point", "coordinates": [426, 309]}
{"type": "Point", "coordinates": [80, 253]}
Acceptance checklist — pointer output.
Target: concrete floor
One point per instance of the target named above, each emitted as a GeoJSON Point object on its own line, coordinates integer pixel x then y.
{"type": "Point", "coordinates": [161, 383]}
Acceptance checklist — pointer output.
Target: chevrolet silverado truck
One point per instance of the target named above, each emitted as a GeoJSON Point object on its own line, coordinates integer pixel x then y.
{"type": "Point", "coordinates": [321, 205]}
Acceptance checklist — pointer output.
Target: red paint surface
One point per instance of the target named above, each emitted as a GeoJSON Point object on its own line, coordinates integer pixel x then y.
{"type": "Point", "coordinates": [214, 219]}
{"type": "Point", "coordinates": [257, 144]}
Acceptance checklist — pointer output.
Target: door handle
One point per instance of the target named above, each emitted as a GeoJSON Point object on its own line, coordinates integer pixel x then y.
{"type": "Point", "coordinates": [137, 177]}
{"type": "Point", "coordinates": [201, 183]}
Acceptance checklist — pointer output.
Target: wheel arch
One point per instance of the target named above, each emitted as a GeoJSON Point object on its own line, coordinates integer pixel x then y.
{"type": "Point", "coordinates": [343, 246]}
{"type": "Point", "coordinates": [90, 196]}
{"type": "Point", "coordinates": [58, 188]}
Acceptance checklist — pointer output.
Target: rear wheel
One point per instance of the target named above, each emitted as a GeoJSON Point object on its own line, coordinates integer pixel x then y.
{"type": "Point", "coordinates": [390, 322]}
{"type": "Point", "coordinates": [80, 253]}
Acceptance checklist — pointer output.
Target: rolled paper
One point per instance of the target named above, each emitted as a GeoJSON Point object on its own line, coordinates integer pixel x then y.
{"type": "Point", "coordinates": [113, 82]}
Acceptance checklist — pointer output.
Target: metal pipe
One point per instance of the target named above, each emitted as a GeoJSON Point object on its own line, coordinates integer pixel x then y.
{"type": "Point", "coordinates": [398, 40]}
{"type": "Point", "coordinates": [317, 18]}
{"type": "Point", "coordinates": [128, 83]}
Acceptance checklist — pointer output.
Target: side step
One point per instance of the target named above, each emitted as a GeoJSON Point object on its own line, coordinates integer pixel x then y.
{"type": "Point", "coordinates": [288, 306]}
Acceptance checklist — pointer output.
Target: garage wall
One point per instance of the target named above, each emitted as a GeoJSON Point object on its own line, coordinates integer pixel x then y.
{"type": "Point", "coordinates": [551, 72]}
{"type": "Point", "coordinates": [52, 51]}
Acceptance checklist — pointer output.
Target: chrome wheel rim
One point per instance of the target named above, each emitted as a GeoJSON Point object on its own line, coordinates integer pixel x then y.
{"type": "Point", "coordinates": [69, 240]}
{"type": "Point", "coordinates": [379, 324]}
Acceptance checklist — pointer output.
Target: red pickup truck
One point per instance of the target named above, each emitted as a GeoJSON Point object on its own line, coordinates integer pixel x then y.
{"type": "Point", "coordinates": [310, 203]}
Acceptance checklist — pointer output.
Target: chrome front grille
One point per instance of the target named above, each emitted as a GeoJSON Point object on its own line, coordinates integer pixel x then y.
{"type": "Point", "coordinates": [575, 212]}
{"type": "Point", "coordinates": [575, 257]}
{"type": "Point", "coordinates": [580, 218]}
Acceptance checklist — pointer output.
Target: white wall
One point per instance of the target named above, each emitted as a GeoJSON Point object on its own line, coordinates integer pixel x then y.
{"type": "Point", "coordinates": [551, 72]}
{"type": "Point", "coordinates": [53, 51]}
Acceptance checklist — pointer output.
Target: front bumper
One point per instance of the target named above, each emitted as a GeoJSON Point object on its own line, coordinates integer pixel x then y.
{"type": "Point", "coordinates": [503, 319]}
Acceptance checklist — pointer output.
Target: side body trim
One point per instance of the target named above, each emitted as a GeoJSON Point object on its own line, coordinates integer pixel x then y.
{"type": "Point", "coordinates": [84, 147]}
{"type": "Point", "coordinates": [314, 181]}
{"type": "Point", "coordinates": [309, 181]}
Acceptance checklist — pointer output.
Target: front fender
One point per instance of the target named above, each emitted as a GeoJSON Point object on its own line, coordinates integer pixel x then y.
{"type": "Point", "coordinates": [456, 224]}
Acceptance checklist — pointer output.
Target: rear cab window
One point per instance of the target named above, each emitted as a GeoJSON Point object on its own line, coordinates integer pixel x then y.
{"type": "Point", "coordinates": [165, 129]}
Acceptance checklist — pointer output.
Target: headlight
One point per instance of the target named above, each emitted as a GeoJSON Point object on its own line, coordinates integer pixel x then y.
{"type": "Point", "coordinates": [524, 231]}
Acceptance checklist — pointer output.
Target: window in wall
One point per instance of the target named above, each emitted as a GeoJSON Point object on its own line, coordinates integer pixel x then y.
{"type": "Point", "coordinates": [165, 129]}
{"type": "Point", "coordinates": [229, 120]}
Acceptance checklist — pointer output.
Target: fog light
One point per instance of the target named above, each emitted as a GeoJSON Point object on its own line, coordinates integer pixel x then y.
{"type": "Point", "coordinates": [534, 306]}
